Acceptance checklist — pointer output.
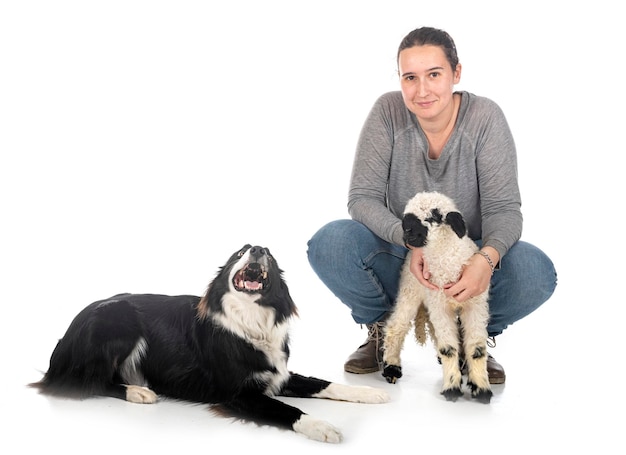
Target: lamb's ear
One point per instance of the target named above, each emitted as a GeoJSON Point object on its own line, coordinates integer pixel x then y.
{"type": "Point", "coordinates": [457, 223]}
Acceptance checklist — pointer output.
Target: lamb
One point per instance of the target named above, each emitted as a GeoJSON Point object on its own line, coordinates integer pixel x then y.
{"type": "Point", "coordinates": [432, 222]}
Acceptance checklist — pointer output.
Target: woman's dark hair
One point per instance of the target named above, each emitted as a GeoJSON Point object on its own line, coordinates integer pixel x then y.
{"type": "Point", "coordinates": [434, 37]}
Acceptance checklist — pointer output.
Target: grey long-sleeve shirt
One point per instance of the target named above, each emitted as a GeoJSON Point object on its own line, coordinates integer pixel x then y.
{"type": "Point", "coordinates": [477, 168]}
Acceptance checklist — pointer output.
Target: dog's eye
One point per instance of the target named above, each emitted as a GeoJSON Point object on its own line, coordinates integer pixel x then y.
{"type": "Point", "coordinates": [245, 248]}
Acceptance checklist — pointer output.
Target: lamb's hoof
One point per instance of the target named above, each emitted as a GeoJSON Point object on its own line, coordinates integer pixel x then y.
{"type": "Point", "coordinates": [392, 373]}
{"type": "Point", "coordinates": [452, 394]}
{"type": "Point", "coordinates": [482, 395]}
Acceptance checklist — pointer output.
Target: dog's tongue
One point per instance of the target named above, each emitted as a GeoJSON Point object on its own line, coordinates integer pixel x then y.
{"type": "Point", "coordinates": [252, 285]}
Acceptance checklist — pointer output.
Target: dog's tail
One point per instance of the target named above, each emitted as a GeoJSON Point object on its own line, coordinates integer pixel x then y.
{"type": "Point", "coordinates": [423, 326]}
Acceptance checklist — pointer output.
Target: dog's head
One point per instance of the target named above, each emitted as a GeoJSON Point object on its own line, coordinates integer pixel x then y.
{"type": "Point", "coordinates": [429, 211]}
{"type": "Point", "coordinates": [251, 271]}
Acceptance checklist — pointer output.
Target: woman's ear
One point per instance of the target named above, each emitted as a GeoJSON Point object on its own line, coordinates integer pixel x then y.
{"type": "Point", "coordinates": [457, 73]}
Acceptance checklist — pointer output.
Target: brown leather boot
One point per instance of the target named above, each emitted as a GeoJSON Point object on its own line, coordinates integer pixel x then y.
{"type": "Point", "coordinates": [368, 358]}
{"type": "Point", "coordinates": [495, 371]}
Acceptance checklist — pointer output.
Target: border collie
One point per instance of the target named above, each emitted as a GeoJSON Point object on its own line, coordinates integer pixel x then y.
{"type": "Point", "coordinates": [228, 349]}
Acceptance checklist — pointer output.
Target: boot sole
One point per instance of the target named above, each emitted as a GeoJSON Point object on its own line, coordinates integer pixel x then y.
{"type": "Point", "coordinates": [356, 370]}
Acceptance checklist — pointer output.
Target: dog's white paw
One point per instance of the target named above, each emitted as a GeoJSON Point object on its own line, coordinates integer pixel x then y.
{"type": "Point", "coordinates": [353, 393]}
{"type": "Point", "coordinates": [316, 429]}
{"type": "Point", "coordinates": [138, 394]}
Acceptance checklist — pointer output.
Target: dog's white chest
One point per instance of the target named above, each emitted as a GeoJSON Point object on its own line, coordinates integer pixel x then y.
{"type": "Point", "coordinates": [256, 324]}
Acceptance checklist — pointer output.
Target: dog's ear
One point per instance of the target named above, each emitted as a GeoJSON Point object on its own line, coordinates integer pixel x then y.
{"type": "Point", "coordinates": [457, 223]}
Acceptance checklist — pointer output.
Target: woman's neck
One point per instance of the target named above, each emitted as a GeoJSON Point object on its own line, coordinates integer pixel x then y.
{"type": "Point", "coordinates": [438, 130]}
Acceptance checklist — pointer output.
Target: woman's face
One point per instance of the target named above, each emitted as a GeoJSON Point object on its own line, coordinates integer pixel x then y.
{"type": "Point", "coordinates": [427, 81]}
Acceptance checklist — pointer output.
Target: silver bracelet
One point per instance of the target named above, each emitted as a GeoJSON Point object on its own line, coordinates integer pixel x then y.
{"type": "Point", "coordinates": [486, 256]}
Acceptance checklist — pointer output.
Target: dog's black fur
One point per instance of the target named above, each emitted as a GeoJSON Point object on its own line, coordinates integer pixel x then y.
{"type": "Point", "coordinates": [229, 348]}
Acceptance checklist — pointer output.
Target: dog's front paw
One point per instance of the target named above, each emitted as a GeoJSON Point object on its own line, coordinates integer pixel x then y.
{"type": "Point", "coordinates": [392, 373]}
{"type": "Point", "coordinates": [353, 393]}
{"type": "Point", "coordinates": [372, 395]}
{"type": "Point", "coordinates": [316, 429]}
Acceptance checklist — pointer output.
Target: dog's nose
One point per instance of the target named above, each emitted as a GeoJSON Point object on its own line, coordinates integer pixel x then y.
{"type": "Point", "coordinates": [258, 252]}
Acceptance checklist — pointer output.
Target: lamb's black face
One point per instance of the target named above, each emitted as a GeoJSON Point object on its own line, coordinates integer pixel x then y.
{"type": "Point", "coordinates": [415, 232]}
{"type": "Point", "coordinates": [252, 269]}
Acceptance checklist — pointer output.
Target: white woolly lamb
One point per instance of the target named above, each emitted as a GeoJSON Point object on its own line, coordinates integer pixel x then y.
{"type": "Point", "coordinates": [458, 330]}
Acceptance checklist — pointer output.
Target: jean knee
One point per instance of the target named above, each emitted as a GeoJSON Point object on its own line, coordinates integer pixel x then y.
{"type": "Point", "coordinates": [527, 279]}
{"type": "Point", "coordinates": [324, 241]}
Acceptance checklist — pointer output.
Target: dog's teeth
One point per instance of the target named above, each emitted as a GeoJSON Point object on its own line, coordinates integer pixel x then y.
{"type": "Point", "coordinates": [253, 285]}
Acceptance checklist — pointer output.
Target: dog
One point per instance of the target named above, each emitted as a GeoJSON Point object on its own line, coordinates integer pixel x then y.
{"type": "Point", "coordinates": [228, 349]}
{"type": "Point", "coordinates": [432, 222]}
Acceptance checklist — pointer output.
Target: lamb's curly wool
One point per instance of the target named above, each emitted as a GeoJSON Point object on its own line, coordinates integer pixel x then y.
{"type": "Point", "coordinates": [459, 330]}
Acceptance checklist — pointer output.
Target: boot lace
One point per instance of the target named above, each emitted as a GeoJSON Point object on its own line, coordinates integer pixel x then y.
{"type": "Point", "coordinates": [375, 332]}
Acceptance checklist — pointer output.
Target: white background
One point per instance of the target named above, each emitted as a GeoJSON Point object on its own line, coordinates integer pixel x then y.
{"type": "Point", "coordinates": [142, 142]}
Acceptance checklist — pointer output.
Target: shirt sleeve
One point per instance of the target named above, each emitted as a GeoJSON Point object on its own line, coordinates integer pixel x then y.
{"type": "Point", "coordinates": [500, 199]}
{"type": "Point", "coordinates": [367, 196]}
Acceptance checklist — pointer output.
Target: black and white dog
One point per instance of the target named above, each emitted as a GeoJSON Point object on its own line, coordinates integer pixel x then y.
{"type": "Point", "coordinates": [229, 348]}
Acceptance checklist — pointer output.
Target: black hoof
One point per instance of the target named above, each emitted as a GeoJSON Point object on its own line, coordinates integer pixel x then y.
{"type": "Point", "coordinates": [392, 373]}
{"type": "Point", "coordinates": [482, 395]}
{"type": "Point", "coordinates": [452, 394]}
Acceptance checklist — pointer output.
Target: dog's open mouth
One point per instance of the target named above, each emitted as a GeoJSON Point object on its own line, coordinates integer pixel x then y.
{"type": "Point", "coordinates": [252, 278]}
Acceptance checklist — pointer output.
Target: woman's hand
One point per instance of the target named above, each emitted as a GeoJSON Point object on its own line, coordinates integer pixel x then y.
{"type": "Point", "coordinates": [475, 277]}
{"type": "Point", "coordinates": [419, 268]}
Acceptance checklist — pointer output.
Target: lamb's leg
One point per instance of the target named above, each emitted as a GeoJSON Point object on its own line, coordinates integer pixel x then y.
{"type": "Point", "coordinates": [474, 319]}
{"type": "Point", "coordinates": [395, 331]}
{"type": "Point", "coordinates": [444, 321]}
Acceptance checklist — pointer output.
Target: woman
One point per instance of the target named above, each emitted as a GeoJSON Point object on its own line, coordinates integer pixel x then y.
{"type": "Point", "coordinates": [427, 137]}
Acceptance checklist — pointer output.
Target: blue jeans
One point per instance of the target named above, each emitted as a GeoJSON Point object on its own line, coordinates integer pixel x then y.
{"type": "Point", "coordinates": [363, 271]}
